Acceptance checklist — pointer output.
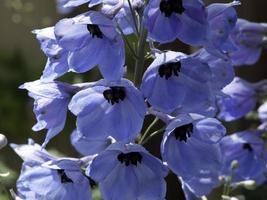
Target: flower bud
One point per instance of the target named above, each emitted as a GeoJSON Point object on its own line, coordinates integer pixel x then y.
{"type": "Point", "coordinates": [3, 141]}
{"type": "Point", "coordinates": [234, 164]}
{"type": "Point", "coordinates": [248, 184]}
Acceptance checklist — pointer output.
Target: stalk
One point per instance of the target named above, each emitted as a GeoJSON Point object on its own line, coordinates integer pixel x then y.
{"type": "Point", "coordinates": [139, 64]}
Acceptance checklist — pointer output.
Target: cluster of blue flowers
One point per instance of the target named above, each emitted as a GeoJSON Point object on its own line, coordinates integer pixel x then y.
{"type": "Point", "coordinates": [189, 93]}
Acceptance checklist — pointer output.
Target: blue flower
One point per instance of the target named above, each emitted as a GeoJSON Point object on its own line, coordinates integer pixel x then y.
{"type": "Point", "coordinates": [239, 100]}
{"type": "Point", "coordinates": [167, 20]}
{"type": "Point", "coordinates": [222, 70]}
{"type": "Point", "coordinates": [89, 146]}
{"type": "Point", "coordinates": [128, 171]}
{"type": "Point", "coordinates": [248, 38]}
{"type": "Point", "coordinates": [190, 148]}
{"type": "Point", "coordinates": [115, 109]}
{"type": "Point", "coordinates": [118, 10]}
{"type": "Point", "coordinates": [222, 19]}
{"type": "Point", "coordinates": [46, 177]}
{"type": "Point", "coordinates": [51, 101]}
{"type": "Point", "coordinates": [173, 83]}
{"type": "Point", "coordinates": [248, 149]}
{"type": "Point", "coordinates": [91, 40]}
{"type": "Point", "coordinates": [57, 62]}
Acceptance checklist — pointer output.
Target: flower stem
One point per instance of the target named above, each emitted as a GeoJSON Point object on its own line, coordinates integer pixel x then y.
{"type": "Point", "coordinates": [134, 17]}
{"type": "Point", "coordinates": [139, 64]}
{"type": "Point", "coordinates": [152, 135]}
{"type": "Point", "coordinates": [148, 130]}
{"type": "Point", "coordinates": [127, 43]}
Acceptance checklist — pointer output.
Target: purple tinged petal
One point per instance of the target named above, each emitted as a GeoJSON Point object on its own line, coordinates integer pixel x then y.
{"type": "Point", "coordinates": [103, 165]}
{"type": "Point", "coordinates": [124, 180]}
{"type": "Point", "coordinates": [87, 146]}
{"type": "Point", "coordinates": [150, 185]}
{"type": "Point", "coordinates": [50, 105]}
{"type": "Point", "coordinates": [241, 100]}
{"type": "Point", "coordinates": [32, 153]}
{"type": "Point", "coordinates": [87, 57]}
{"type": "Point", "coordinates": [70, 35]}
{"type": "Point", "coordinates": [210, 130]}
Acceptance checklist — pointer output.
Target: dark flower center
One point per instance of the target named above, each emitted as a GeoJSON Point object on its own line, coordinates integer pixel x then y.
{"type": "Point", "coordinates": [114, 94]}
{"type": "Point", "coordinates": [94, 30]}
{"type": "Point", "coordinates": [130, 158]}
{"type": "Point", "coordinates": [183, 132]}
{"type": "Point", "coordinates": [248, 147]}
{"type": "Point", "coordinates": [169, 6]}
{"type": "Point", "coordinates": [63, 176]}
{"type": "Point", "coordinates": [169, 69]}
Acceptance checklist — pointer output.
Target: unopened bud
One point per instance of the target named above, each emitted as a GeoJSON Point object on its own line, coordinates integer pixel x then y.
{"type": "Point", "coordinates": [3, 141]}
{"type": "Point", "coordinates": [248, 184]}
{"type": "Point", "coordinates": [234, 164]}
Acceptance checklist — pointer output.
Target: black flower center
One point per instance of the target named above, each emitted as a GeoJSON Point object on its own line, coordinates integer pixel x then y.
{"type": "Point", "coordinates": [114, 94]}
{"type": "Point", "coordinates": [171, 6]}
{"type": "Point", "coordinates": [169, 69]}
{"type": "Point", "coordinates": [248, 147]}
{"type": "Point", "coordinates": [183, 132]}
{"type": "Point", "coordinates": [94, 30]}
{"type": "Point", "coordinates": [130, 158]}
{"type": "Point", "coordinates": [63, 176]}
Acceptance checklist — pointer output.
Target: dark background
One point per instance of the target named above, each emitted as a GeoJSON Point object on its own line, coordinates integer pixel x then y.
{"type": "Point", "coordinates": [21, 60]}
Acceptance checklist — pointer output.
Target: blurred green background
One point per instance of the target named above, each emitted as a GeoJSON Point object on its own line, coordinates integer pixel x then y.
{"type": "Point", "coordinates": [21, 60]}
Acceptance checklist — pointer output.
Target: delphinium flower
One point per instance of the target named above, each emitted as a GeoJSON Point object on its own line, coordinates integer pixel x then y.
{"type": "Point", "coordinates": [222, 70]}
{"type": "Point", "coordinates": [128, 171]}
{"type": "Point", "coordinates": [190, 148]}
{"type": "Point", "coordinates": [173, 82]}
{"type": "Point", "coordinates": [51, 101]}
{"type": "Point", "coordinates": [91, 39]}
{"type": "Point", "coordinates": [247, 148]}
{"type": "Point", "coordinates": [118, 10]}
{"type": "Point", "coordinates": [114, 109]}
{"type": "Point", "coordinates": [249, 39]}
{"type": "Point", "coordinates": [44, 176]}
{"type": "Point", "coordinates": [241, 99]}
{"type": "Point", "coordinates": [180, 90]}
{"type": "Point", "coordinates": [57, 57]}
{"type": "Point", "coordinates": [222, 19]}
{"type": "Point", "coordinates": [167, 20]}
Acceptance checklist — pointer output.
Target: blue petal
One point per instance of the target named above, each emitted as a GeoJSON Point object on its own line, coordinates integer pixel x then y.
{"type": "Point", "coordinates": [87, 146]}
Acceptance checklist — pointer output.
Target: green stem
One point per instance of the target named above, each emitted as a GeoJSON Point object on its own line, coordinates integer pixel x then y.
{"type": "Point", "coordinates": [227, 185]}
{"type": "Point", "coordinates": [134, 17]}
{"type": "Point", "coordinates": [127, 43]}
{"type": "Point", "coordinates": [152, 135]}
{"type": "Point", "coordinates": [139, 64]}
{"type": "Point", "coordinates": [148, 130]}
